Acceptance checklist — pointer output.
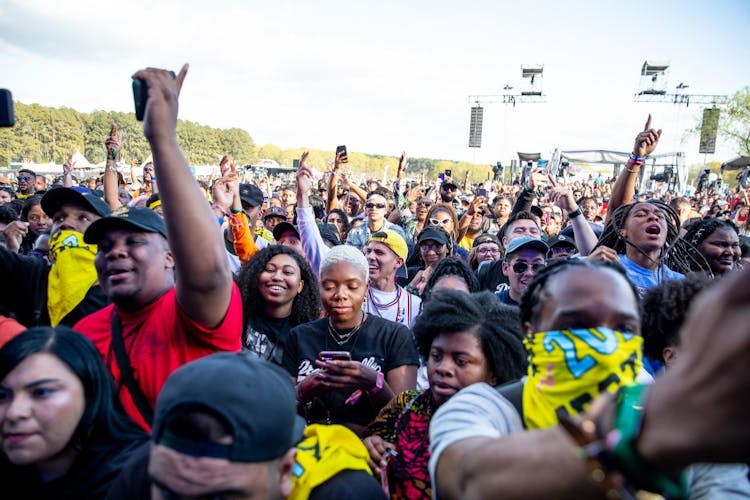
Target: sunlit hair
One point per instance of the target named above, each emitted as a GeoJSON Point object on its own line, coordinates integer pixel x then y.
{"type": "Point", "coordinates": [444, 207]}
{"type": "Point", "coordinates": [346, 254]}
{"type": "Point", "coordinates": [676, 253]}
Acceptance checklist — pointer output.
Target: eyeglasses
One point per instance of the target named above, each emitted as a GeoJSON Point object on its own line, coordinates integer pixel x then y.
{"type": "Point", "coordinates": [370, 206]}
{"type": "Point", "coordinates": [563, 249]}
{"type": "Point", "coordinates": [431, 247]}
{"type": "Point", "coordinates": [485, 251]}
{"type": "Point", "coordinates": [522, 267]}
{"type": "Point", "coordinates": [440, 222]}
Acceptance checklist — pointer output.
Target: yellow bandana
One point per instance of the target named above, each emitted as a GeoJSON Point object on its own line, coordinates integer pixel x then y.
{"type": "Point", "coordinates": [72, 273]}
{"type": "Point", "coordinates": [325, 451]}
{"type": "Point", "coordinates": [569, 368]}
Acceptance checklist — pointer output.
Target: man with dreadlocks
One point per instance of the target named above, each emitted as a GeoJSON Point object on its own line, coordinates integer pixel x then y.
{"type": "Point", "coordinates": [643, 236]}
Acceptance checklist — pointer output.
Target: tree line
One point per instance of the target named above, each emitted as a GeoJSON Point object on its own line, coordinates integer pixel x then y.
{"type": "Point", "coordinates": [44, 134]}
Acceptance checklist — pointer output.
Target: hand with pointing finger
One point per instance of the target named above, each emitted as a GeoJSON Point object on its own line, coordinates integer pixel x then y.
{"type": "Point", "coordinates": [646, 141]}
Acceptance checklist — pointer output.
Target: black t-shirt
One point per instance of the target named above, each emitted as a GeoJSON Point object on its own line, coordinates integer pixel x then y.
{"type": "Point", "coordinates": [491, 275]}
{"type": "Point", "coordinates": [90, 477]}
{"type": "Point", "coordinates": [264, 337]}
{"type": "Point", "coordinates": [505, 298]}
{"type": "Point", "coordinates": [380, 344]}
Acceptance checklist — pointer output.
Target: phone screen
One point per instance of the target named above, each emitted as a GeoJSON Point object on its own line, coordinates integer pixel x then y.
{"type": "Point", "coordinates": [335, 355]}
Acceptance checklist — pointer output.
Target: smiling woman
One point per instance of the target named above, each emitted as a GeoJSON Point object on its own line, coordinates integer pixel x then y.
{"type": "Point", "coordinates": [64, 433]}
{"type": "Point", "coordinates": [279, 291]}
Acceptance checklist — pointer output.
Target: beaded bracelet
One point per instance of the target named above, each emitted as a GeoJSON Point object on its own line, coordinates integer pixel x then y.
{"type": "Point", "coordinates": [616, 452]}
{"type": "Point", "coordinates": [637, 159]}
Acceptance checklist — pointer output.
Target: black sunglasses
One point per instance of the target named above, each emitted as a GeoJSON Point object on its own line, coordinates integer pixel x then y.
{"type": "Point", "coordinates": [522, 267]}
{"type": "Point", "coordinates": [375, 205]}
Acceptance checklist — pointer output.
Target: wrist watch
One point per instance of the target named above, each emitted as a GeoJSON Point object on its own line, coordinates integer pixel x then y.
{"type": "Point", "coordinates": [575, 213]}
{"type": "Point", "coordinates": [379, 381]}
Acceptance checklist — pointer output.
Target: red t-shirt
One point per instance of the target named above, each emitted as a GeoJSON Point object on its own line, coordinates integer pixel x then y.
{"type": "Point", "coordinates": [159, 339]}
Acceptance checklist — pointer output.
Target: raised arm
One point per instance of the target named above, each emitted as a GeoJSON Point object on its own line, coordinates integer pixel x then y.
{"type": "Point", "coordinates": [624, 188]}
{"type": "Point", "coordinates": [203, 278]}
{"type": "Point", "coordinates": [113, 143]}
{"type": "Point", "coordinates": [312, 243]}
{"type": "Point", "coordinates": [584, 236]}
{"type": "Point", "coordinates": [68, 172]}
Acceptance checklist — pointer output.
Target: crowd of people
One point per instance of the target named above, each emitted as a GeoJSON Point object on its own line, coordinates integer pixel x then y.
{"type": "Point", "coordinates": [324, 337]}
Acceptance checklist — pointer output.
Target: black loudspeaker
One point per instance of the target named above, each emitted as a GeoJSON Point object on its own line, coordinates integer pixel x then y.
{"type": "Point", "coordinates": [475, 127]}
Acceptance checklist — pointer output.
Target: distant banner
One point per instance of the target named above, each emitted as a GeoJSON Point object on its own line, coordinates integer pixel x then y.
{"type": "Point", "coordinates": [475, 127]}
{"type": "Point", "coordinates": [709, 127]}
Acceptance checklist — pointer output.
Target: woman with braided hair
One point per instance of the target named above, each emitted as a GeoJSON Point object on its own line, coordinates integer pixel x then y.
{"type": "Point", "coordinates": [716, 241]}
{"type": "Point", "coordinates": [644, 238]}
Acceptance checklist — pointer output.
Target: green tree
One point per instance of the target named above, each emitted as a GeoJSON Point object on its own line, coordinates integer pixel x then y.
{"type": "Point", "coordinates": [734, 123]}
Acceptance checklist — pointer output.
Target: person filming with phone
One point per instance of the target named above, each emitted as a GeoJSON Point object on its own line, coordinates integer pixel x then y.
{"type": "Point", "coordinates": [372, 360]}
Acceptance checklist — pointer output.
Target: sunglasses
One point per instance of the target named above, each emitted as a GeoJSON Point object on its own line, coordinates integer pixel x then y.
{"type": "Point", "coordinates": [375, 205]}
{"type": "Point", "coordinates": [440, 222]}
{"type": "Point", "coordinates": [522, 267]}
{"type": "Point", "coordinates": [431, 247]}
{"type": "Point", "coordinates": [25, 178]}
{"type": "Point", "coordinates": [424, 204]}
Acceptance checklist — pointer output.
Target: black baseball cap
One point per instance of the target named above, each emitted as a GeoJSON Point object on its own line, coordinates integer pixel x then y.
{"type": "Point", "coordinates": [562, 240]}
{"type": "Point", "coordinates": [259, 406]}
{"type": "Point", "coordinates": [434, 233]}
{"type": "Point", "coordinates": [82, 197]}
{"type": "Point", "coordinates": [138, 219]}
{"type": "Point", "coordinates": [283, 227]}
{"type": "Point", "coordinates": [251, 194]}
{"type": "Point", "coordinates": [275, 212]}
{"type": "Point", "coordinates": [329, 233]}
{"type": "Point", "coordinates": [485, 238]}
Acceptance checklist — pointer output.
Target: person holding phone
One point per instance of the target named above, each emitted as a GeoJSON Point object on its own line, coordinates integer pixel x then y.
{"type": "Point", "coordinates": [383, 360]}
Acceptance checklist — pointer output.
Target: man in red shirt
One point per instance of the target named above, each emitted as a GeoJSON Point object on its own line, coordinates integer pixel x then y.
{"type": "Point", "coordinates": [173, 298]}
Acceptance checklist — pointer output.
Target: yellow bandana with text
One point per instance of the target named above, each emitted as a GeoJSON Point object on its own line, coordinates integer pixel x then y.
{"type": "Point", "coordinates": [569, 368]}
{"type": "Point", "coordinates": [72, 273]}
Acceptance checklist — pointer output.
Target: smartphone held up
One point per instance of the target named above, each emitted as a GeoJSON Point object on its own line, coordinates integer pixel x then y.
{"type": "Point", "coordinates": [7, 117]}
{"type": "Point", "coordinates": [140, 96]}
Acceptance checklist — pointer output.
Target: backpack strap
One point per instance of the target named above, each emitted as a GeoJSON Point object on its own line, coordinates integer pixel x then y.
{"type": "Point", "coordinates": [513, 392]}
{"type": "Point", "coordinates": [126, 372]}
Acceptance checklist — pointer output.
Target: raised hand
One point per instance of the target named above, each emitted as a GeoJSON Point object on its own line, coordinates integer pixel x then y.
{"type": "Point", "coordinates": [160, 118]}
{"type": "Point", "coordinates": [14, 234]}
{"type": "Point", "coordinates": [401, 165]}
{"type": "Point", "coordinates": [646, 141]}
{"type": "Point", "coordinates": [304, 176]}
{"type": "Point", "coordinates": [113, 143]}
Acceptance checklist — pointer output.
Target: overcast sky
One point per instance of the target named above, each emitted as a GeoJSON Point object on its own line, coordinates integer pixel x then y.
{"type": "Point", "coordinates": [388, 75]}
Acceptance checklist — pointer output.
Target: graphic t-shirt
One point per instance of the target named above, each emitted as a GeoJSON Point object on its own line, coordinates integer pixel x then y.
{"type": "Point", "coordinates": [380, 344]}
{"type": "Point", "coordinates": [265, 337]}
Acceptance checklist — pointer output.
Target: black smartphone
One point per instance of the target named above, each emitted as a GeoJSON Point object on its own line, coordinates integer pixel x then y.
{"type": "Point", "coordinates": [140, 96]}
{"type": "Point", "coordinates": [481, 192]}
{"type": "Point", "coordinates": [341, 149]}
{"type": "Point", "coordinates": [335, 355]}
{"type": "Point", "coordinates": [449, 173]}
{"type": "Point", "coordinates": [7, 117]}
